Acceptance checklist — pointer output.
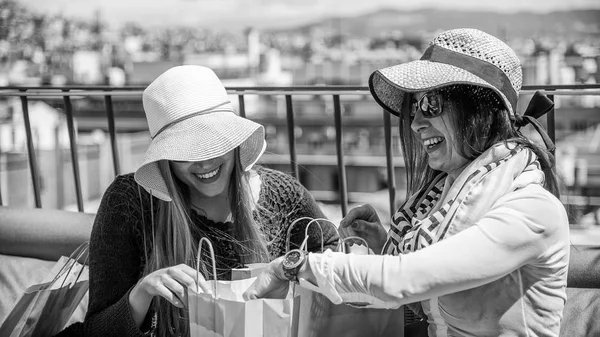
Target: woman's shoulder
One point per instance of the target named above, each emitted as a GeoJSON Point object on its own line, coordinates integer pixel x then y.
{"type": "Point", "coordinates": [538, 207]}
{"type": "Point", "coordinates": [123, 182]}
{"type": "Point", "coordinates": [280, 190]}
{"type": "Point", "coordinates": [122, 194]}
{"type": "Point", "coordinates": [274, 179]}
{"type": "Point", "coordinates": [271, 174]}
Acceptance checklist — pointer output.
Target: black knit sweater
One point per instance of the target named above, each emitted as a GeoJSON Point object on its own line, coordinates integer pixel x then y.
{"type": "Point", "coordinates": [117, 255]}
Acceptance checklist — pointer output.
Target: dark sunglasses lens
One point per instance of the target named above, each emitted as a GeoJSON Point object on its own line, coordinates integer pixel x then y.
{"type": "Point", "coordinates": [430, 105]}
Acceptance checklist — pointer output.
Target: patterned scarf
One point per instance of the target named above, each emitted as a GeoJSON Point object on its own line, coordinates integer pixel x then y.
{"type": "Point", "coordinates": [501, 169]}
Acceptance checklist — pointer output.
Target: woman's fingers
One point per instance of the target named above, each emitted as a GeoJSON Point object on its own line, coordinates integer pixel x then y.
{"type": "Point", "coordinates": [353, 214]}
{"type": "Point", "coordinates": [364, 212]}
{"type": "Point", "coordinates": [268, 284]}
{"type": "Point", "coordinates": [167, 294]}
{"type": "Point", "coordinates": [197, 277]}
{"type": "Point", "coordinates": [345, 232]}
{"type": "Point", "coordinates": [182, 275]}
{"type": "Point", "coordinates": [176, 289]}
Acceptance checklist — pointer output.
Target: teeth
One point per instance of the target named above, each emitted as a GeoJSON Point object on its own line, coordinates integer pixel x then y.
{"type": "Point", "coordinates": [209, 174]}
{"type": "Point", "coordinates": [433, 141]}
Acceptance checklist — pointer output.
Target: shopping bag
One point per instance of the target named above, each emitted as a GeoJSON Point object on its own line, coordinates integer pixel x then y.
{"type": "Point", "coordinates": [225, 313]}
{"type": "Point", "coordinates": [249, 271]}
{"type": "Point", "coordinates": [45, 308]}
{"type": "Point", "coordinates": [318, 316]}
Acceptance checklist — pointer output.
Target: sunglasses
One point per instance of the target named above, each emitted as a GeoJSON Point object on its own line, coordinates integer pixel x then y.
{"type": "Point", "coordinates": [430, 105]}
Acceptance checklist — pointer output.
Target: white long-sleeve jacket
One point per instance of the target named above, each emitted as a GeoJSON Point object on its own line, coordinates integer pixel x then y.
{"type": "Point", "coordinates": [504, 276]}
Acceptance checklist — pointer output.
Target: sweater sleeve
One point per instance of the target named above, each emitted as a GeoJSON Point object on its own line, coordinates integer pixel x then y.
{"type": "Point", "coordinates": [292, 201]}
{"type": "Point", "coordinates": [115, 263]}
{"type": "Point", "coordinates": [522, 228]}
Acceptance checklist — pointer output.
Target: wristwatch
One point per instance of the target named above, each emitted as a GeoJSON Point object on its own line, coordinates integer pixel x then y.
{"type": "Point", "coordinates": [292, 261]}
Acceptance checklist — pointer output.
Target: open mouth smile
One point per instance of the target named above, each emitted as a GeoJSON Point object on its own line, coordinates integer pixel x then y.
{"type": "Point", "coordinates": [206, 176]}
{"type": "Point", "coordinates": [433, 142]}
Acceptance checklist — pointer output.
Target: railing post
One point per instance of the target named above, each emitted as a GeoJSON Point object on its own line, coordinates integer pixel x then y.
{"type": "Point", "coordinates": [112, 133]}
{"type": "Point", "coordinates": [291, 136]}
{"type": "Point", "coordinates": [242, 105]}
{"type": "Point", "coordinates": [551, 125]}
{"type": "Point", "coordinates": [387, 127]}
{"type": "Point", "coordinates": [339, 145]}
{"type": "Point", "coordinates": [31, 153]}
{"type": "Point", "coordinates": [73, 144]}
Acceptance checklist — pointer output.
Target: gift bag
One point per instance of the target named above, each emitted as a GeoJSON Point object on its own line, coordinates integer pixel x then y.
{"type": "Point", "coordinates": [44, 309]}
{"type": "Point", "coordinates": [319, 317]}
{"type": "Point", "coordinates": [249, 271]}
{"type": "Point", "coordinates": [225, 313]}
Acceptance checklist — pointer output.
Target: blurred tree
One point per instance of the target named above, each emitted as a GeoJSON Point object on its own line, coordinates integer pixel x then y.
{"type": "Point", "coordinates": [307, 52]}
{"type": "Point", "coordinates": [39, 25]}
{"type": "Point", "coordinates": [8, 9]}
{"type": "Point", "coordinates": [132, 29]}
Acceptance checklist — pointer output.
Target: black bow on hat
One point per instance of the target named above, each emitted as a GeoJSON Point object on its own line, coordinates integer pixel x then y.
{"type": "Point", "coordinates": [539, 105]}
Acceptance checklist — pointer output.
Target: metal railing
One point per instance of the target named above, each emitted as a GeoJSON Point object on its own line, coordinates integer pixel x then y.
{"type": "Point", "coordinates": [336, 92]}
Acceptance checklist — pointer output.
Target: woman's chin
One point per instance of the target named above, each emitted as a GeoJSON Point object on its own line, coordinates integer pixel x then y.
{"type": "Point", "coordinates": [435, 165]}
{"type": "Point", "coordinates": [211, 190]}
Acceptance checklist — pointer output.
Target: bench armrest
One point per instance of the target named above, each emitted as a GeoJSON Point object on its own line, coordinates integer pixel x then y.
{"type": "Point", "coordinates": [42, 233]}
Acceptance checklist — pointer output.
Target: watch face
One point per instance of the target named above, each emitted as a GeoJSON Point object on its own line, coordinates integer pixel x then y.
{"type": "Point", "coordinates": [292, 258]}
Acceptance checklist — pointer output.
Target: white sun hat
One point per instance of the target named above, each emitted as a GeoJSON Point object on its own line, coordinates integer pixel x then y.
{"type": "Point", "coordinates": [459, 56]}
{"type": "Point", "coordinates": [191, 118]}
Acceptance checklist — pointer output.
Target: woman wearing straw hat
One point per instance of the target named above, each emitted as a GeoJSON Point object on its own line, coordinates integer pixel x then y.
{"type": "Point", "coordinates": [197, 179]}
{"type": "Point", "coordinates": [482, 242]}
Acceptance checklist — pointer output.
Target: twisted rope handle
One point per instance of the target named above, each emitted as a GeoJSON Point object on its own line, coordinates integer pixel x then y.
{"type": "Point", "coordinates": [342, 246]}
{"type": "Point", "coordinates": [214, 264]}
{"type": "Point", "coordinates": [70, 264]}
{"type": "Point", "coordinates": [305, 241]}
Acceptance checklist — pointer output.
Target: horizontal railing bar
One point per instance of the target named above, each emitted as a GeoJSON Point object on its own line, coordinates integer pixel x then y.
{"type": "Point", "coordinates": [257, 91]}
{"type": "Point", "coordinates": [274, 88]}
{"type": "Point", "coordinates": [229, 91]}
{"type": "Point", "coordinates": [331, 160]}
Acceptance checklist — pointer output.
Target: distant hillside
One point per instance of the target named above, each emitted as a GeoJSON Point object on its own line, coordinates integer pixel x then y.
{"type": "Point", "coordinates": [523, 24]}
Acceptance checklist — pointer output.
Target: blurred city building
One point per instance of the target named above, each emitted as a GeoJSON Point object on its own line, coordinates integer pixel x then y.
{"type": "Point", "coordinates": [37, 49]}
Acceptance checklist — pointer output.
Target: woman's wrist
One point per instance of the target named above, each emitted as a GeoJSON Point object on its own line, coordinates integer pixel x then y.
{"type": "Point", "coordinates": [305, 272]}
{"type": "Point", "coordinates": [139, 303]}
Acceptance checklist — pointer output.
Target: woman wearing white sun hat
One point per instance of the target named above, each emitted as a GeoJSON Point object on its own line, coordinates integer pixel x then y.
{"type": "Point", "coordinates": [482, 242]}
{"type": "Point", "coordinates": [197, 179]}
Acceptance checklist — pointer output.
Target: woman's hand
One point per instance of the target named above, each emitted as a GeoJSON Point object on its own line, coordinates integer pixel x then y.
{"type": "Point", "coordinates": [270, 283]}
{"type": "Point", "coordinates": [364, 222]}
{"type": "Point", "coordinates": [171, 283]}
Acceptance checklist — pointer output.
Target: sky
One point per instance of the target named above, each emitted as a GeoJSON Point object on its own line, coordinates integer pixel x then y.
{"type": "Point", "coordinates": [237, 14]}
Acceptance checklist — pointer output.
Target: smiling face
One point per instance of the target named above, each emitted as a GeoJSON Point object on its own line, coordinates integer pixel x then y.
{"type": "Point", "coordinates": [209, 178]}
{"type": "Point", "coordinates": [437, 136]}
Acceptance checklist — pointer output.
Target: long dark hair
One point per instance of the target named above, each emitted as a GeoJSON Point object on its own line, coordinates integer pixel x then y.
{"type": "Point", "coordinates": [480, 120]}
{"type": "Point", "coordinates": [172, 239]}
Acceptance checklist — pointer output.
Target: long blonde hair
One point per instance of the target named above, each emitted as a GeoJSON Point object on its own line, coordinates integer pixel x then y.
{"type": "Point", "coordinates": [173, 243]}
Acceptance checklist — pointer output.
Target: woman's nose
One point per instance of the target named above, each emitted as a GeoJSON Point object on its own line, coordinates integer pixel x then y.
{"type": "Point", "coordinates": [206, 163]}
{"type": "Point", "coordinates": [419, 122]}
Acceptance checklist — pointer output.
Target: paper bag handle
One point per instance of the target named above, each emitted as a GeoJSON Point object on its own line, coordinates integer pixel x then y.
{"type": "Point", "coordinates": [305, 241]}
{"type": "Point", "coordinates": [73, 258]}
{"type": "Point", "coordinates": [214, 263]}
{"type": "Point", "coordinates": [342, 246]}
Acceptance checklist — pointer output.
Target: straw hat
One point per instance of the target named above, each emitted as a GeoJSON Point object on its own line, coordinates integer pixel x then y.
{"type": "Point", "coordinates": [191, 119]}
{"type": "Point", "coordinates": [459, 56]}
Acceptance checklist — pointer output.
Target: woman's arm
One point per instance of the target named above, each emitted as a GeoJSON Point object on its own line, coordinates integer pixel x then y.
{"type": "Point", "coordinates": [293, 201]}
{"type": "Point", "coordinates": [115, 261]}
{"type": "Point", "coordinates": [520, 229]}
